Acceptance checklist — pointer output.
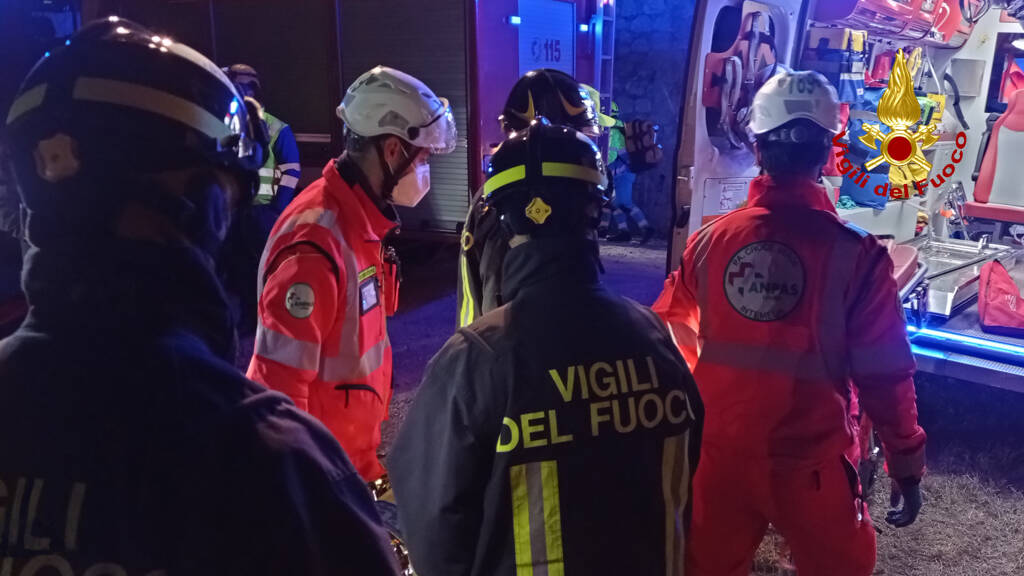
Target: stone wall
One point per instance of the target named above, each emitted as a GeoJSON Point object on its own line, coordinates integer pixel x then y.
{"type": "Point", "coordinates": [652, 41]}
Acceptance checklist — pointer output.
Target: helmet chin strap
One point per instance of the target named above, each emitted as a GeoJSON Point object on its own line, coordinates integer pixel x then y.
{"type": "Point", "coordinates": [391, 176]}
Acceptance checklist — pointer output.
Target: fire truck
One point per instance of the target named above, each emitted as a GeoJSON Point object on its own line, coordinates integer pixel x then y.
{"type": "Point", "coordinates": [308, 52]}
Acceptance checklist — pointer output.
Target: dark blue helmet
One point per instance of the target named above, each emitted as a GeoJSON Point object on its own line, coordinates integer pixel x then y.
{"type": "Point", "coordinates": [544, 179]}
{"type": "Point", "coordinates": [114, 104]}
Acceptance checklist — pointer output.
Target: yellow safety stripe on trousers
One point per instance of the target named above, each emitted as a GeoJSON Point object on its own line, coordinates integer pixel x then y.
{"type": "Point", "coordinates": [468, 305]}
{"type": "Point", "coordinates": [574, 171]}
{"type": "Point", "coordinates": [675, 490]}
{"type": "Point", "coordinates": [503, 178]}
{"type": "Point", "coordinates": [537, 519]}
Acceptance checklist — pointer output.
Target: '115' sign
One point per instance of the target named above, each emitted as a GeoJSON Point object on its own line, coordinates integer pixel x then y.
{"type": "Point", "coordinates": [546, 50]}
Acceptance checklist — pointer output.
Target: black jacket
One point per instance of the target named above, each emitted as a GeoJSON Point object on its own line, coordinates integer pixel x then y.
{"type": "Point", "coordinates": [524, 445]}
{"type": "Point", "coordinates": [126, 438]}
{"type": "Point", "coordinates": [484, 245]}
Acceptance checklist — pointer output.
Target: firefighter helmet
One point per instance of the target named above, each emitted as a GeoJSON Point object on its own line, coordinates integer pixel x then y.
{"type": "Point", "coordinates": [115, 103]}
{"type": "Point", "coordinates": [554, 95]}
{"type": "Point", "coordinates": [542, 179]}
{"type": "Point", "coordinates": [246, 80]}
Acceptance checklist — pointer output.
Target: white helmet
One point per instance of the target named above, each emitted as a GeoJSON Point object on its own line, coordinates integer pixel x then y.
{"type": "Point", "coordinates": [386, 101]}
{"type": "Point", "coordinates": [792, 95]}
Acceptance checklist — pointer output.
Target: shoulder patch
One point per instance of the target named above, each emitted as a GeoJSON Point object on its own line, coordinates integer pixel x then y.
{"type": "Point", "coordinates": [299, 300]}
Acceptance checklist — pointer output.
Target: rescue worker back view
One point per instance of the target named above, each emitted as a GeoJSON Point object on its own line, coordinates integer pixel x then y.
{"type": "Point", "coordinates": [128, 443]}
{"type": "Point", "coordinates": [538, 444]}
{"type": "Point", "coordinates": [557, 97]}
{"type": "Point", "coordinates": [780, 307]}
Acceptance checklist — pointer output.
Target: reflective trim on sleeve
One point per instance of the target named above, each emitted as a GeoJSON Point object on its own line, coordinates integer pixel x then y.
{"type": "Point", "coordinates": [537, 519]}
{"type": "Point", "coordinates": [675, 490]}
{"type": "Point", "coordinates": [700, 274]}
{"type": "Point", "coordinates": [346, 363]}
{"type": "Point", "coordinates": [468, 304]}
{"type": "Point", "coordinates": [315, 216]}
{"type": "Point", "coordinates": [288, 181]}
{"type": "Point", "coordinates": [798, 364]}
{"type": "Point", "coordinates": [267, 172]}
{"type": "Point", "coordinates": [286, 350]}
{"type": "Point", "coordinates": [349, 365]}
{"type": "Point", "coordinates": [289, 166]}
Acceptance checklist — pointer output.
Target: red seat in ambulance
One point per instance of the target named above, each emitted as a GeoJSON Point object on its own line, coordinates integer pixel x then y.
{"type": "Point", "coordinates": [998, 194]}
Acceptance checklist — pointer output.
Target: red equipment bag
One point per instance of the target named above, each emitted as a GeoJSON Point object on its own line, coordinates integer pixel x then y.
{"type": "Point", "coordinates": [1000, 309]}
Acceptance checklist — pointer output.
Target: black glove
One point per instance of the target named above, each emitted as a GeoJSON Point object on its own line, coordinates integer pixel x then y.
{"type": "Point", "coordinates": [908, 490]}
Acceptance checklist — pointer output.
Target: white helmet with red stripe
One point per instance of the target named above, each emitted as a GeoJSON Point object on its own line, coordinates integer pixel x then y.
{"type": "Point", "coordinates": [795, 95]}
{"type": "Point", "coordinates": [386, 101]}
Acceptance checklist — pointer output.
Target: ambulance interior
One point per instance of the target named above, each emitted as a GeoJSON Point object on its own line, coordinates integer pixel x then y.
{"type": "Point", "coordinates": [965, 60]}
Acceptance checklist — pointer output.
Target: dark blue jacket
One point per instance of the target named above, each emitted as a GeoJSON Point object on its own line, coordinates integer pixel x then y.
{"type": "Point", "coordinates": [559, 432]}
{"type": "Point", "coordinates": [127, 439]}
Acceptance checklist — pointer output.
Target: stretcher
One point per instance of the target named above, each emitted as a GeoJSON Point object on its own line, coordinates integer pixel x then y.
{"type": "Point", "coordinates": [941, 304]}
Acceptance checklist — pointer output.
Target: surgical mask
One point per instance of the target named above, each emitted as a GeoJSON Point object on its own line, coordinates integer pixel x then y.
{"type": "Point", "coordinates": [412, 187]}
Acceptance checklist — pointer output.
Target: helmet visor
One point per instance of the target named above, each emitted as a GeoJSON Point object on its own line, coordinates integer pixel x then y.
{"type": "Point", "coordinates": [439, 135]}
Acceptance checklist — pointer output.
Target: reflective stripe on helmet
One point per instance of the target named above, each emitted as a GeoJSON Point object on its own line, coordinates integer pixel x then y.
{"type": "Point", "coordinates": [504, 178]}
{"type": "Point", "coordinates": [28, 101]}
{"type": "Point", "coordinates": [574, 171]}
{"type": "Point", "coordinates": [151, 100]}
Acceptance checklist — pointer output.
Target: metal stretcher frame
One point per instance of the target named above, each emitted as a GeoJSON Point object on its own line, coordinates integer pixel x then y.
{"type": "Point", "coordinates": [959, 349]}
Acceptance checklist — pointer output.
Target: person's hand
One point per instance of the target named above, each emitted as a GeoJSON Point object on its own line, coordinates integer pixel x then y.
{"type": "Point", "coordinates": [909, 491]}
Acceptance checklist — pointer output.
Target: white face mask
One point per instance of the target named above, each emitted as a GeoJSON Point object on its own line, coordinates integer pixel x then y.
{"type": "Point", "coordinates": [412, 187]}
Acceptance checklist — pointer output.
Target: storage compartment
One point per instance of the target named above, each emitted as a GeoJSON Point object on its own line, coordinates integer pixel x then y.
{"type": "Point", "coordinates": [969, 74]}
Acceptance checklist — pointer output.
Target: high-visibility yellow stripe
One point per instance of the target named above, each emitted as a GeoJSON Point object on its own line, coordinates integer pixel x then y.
{"type": "Point", "coordinates": [552, 518]}
{"type": "Point", "coordinates": [30, 100]}
{"type": "Point", "coordinates": [468, 305]}
{"type": "Point", "coordinates": [668, 456]}
{"type": "Point", "coordinates": [150, 100]}
{"type": "Point", "coordinates": [503, 178]}
{"type": "Point", "coordinates": [574, 171]}
{"type": "Point", "coordinates": [683, 498]}
{"type": "Point", "coordinates": [521, 521]}
{"type": "Point", "coordinates": [675, 490]}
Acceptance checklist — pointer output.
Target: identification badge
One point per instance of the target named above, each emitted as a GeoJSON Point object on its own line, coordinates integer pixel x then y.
{"type": "Point", "coordinates": [369, 295]}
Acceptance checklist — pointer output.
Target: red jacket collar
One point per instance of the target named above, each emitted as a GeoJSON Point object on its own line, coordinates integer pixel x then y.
{"type": "Point", "coordinates": [351, 195]}
{"type": "Point", "coordinates": [767, 191]}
